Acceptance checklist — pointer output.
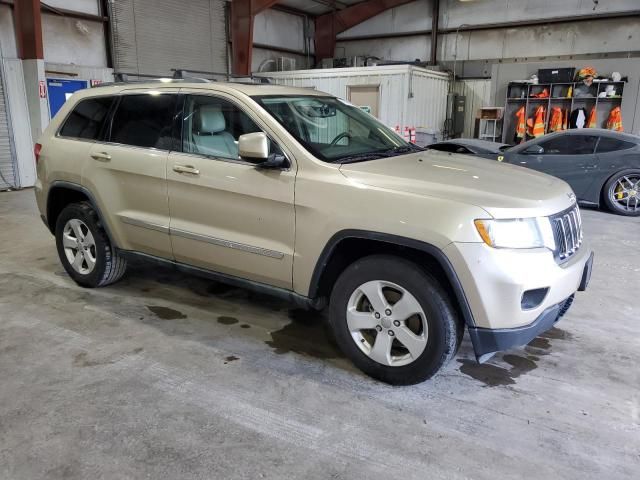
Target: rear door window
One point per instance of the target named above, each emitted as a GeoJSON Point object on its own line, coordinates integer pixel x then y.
{"type": "Point", "coordinates": [87, 119]}
{"type": "Point", "coordinates": [607, 144]}
{"type": "Point", "coordinates": [144, 120]}
{"type": "Point", "coordinates": [569, 145]}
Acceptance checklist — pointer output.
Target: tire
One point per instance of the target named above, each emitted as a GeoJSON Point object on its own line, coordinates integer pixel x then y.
{"type": "Point", "coordinates": [439, 333]}
{"type": "Point", "coordinates": [99, 263]}
{"type": "Point", "coordinates": [621, 193]}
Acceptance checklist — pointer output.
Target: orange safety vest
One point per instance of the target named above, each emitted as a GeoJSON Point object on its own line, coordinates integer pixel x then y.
{"type": "Point", "coordinates": [614, 122]}
{"type": "Point", "coordinates": [555, 123]}
{"type": "Point", "coordinates": [591, 122]}
{"type": "Point", "coordinates": [521, 124]}
{"type": "Point", "coordinates": [565, 119]}
{"type": "Point", "coordinates": [536, 124]}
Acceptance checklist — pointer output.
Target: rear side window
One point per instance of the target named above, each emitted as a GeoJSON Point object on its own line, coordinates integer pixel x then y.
{"type": "Point", "coordinates": [144, 121]}
{"type": "Point", "coordinates": [569, 145]}
{"type": "Point", "coordinates": [607, 144]}
{"type": "Point", "coordinates": [87, 118]}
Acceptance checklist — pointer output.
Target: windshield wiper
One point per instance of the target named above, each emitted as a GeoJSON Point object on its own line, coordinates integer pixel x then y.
{"type": "Point", "coordinates": [360, 157]}
{"type": "Point", "coordinates": [404, 149]}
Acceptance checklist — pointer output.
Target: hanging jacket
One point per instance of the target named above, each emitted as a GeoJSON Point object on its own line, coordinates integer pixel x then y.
{"type": "Point", "coordinates": [565, 119]}
{"type": "Point", "coordinates": [614, 122]}
{"type": "Point", "coordinates": [577, 118]}
{"type": "Point", "coordinates": [555, 122]}
{"type": "Point", "coordinates": [591, 123]}
{"type": "Point", "coordinates": [536, 123]}
{"type": "Point", "coordinates": [521, 125]}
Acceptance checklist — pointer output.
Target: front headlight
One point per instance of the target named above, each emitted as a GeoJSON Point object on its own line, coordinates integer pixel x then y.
{"type": "Point", "coordinates": [517, 233]}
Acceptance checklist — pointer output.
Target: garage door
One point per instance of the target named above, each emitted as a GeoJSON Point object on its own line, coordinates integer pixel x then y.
{"type": "Point", "coordinates": [154, 36]}
{"type": "Point", "coordinates": [7, 170]}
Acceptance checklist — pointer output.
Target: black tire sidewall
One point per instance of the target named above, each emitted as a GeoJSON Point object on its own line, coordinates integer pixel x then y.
{"type": "Point", "coordinates": [606, 191]}
{"type": "Point", "coordinates": [441, 321]}
{"type": "Point", "coordinates": [86, 214]}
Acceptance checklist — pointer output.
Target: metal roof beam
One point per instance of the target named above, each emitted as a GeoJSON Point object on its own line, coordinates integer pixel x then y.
{"type": "Point", "coordinates": [329, 25]}
{"type": "Point", "coordinates": [243, 13]}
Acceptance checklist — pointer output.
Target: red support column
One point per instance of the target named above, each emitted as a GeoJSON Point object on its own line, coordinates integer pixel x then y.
{"type": "Point", "coordinates": [331, 24]}
{"type": "Point", "coordinates": [243, 13]}
{"type": "Point", "coordinates": [28, 25]}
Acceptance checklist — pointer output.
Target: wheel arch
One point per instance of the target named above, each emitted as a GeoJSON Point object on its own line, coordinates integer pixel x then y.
{"type": "Point", "coordinates": [63, 193]}
{"type": "Point", "coordinates": [347, 246]}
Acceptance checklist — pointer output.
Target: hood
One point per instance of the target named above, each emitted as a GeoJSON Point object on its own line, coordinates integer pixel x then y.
{"type": "Point", "coordinates": [504, 191]}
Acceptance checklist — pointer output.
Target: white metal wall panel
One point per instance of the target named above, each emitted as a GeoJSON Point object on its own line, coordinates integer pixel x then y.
{"type": "Point", "coordinates": [427, 108]}
{"type": "Point", "coordinates": [154, 36]}
{"type": "Point", "coordinates": [478, 95]}
{"type": "Point", "coordinates": [16, 98]}
{"type": "Point", "coordinates": [7, 157]}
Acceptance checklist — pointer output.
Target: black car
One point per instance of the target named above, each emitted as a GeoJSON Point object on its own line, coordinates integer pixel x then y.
{"type": "Point", "coordinates": [470, 146]}
{"type": "Point", "coordinates": [602, 166]}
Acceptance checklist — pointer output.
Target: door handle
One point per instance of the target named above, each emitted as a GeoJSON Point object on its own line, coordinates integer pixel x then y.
{"type": "Point", "coordinates": [186, 169]}
{"type": "Point", "coordinates": [101, 156]}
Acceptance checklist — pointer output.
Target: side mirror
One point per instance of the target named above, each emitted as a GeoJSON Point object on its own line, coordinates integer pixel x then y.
{"type": "Point", "coordinates": [275, 161]}
{"type": "Point", "coordinates": [533, 150]}
{"type": "Point", "coordinates": [253, 146]}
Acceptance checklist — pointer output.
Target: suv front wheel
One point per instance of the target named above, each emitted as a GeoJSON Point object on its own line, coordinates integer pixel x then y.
{"type": "Point", "coordinates": [393, 320]}
{"type": "Point", "coordinates": [84, 248]}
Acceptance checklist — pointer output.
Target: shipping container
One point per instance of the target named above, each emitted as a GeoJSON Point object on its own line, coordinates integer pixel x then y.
{"type": "Point", "coordinates": [399, 95]}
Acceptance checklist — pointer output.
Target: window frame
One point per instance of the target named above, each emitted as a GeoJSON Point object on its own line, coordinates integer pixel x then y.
{"type": "Point", "coordinates": [106, 137]}
{"type": "Point", "coordinates": [106, 121]}
{"type": "Point", "coordinates": [179, 137]}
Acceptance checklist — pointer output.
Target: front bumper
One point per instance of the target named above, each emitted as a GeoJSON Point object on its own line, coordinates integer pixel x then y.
{"type": "Point", "coordinates": [494, 282]}
{"type": "Point", "coordinates": [487, 341]}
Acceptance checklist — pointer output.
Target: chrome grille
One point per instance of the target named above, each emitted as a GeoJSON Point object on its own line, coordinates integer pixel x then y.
{"type": "Point", "coordinates": [567, 230]}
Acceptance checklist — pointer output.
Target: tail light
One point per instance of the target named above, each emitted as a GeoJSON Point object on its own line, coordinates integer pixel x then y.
{"type": "Point", "coordinates": [36, 151]}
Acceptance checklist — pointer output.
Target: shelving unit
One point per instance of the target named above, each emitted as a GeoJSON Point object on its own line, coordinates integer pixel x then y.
{"type": "Point", "coordinates": [520, 94]}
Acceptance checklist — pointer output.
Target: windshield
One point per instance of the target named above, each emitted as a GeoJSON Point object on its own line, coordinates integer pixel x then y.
{"type": "Point", "coordinates": [334, 130]}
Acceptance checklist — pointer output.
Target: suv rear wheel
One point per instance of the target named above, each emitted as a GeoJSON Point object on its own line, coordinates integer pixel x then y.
{"type": "Point", "coordinates": [393, 320]}
{"type": "Point", "coordinates": [84, 248]}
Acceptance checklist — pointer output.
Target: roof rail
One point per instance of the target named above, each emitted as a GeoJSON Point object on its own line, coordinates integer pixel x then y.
{"type": "Point", "coordinates": [180, 75]}
{"type": "Point", "coordinates": [123, 78]}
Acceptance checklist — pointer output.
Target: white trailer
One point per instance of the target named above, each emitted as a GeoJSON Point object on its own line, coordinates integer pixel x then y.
{"type": "Point", "coordinates": [399, 95]}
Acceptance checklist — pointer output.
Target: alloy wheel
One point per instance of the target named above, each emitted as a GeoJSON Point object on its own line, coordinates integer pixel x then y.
{"type": "Point", "coordinates": [79, 246]}
{"type": "Point", "coordinates": [387, 323]}
{"type": "Point", "coordinates": [625, 193]}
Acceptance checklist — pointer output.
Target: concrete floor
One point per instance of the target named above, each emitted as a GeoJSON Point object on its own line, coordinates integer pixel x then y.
{"type": "Point", "coordinates": [168, 376]}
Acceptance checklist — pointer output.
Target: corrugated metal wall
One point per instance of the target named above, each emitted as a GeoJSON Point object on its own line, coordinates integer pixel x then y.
{"type": "Point", "coordinates": [154, 36]}
{"type": "Point", "coordinates": [427, 107]}
{"type": "Point", "coordinates": [478, 93]}
{"type": "Point", "coordinates": [7, 158]}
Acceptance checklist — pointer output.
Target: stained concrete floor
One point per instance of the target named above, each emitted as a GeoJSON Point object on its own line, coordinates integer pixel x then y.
{"type": "Point", "coordinates": [168, 376]}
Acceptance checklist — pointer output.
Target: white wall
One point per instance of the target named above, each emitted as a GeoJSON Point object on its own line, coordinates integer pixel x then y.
{"type": "Point", "coordinates": [281, 30]}
{"type": "Point", "coordinates": [595, 37]}
{"type": "Point", "coordinates": [84, 6]}
{"type": "Point", "coordinates": [7, 33]}
{"type": "Point", "coordinates": [72, 41]}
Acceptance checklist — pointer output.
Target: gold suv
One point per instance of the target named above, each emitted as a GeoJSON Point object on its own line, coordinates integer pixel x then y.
{"type": "Point", "coordinates": [299, 194]}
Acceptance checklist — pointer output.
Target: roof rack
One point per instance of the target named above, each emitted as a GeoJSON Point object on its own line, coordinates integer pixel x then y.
{"type": "Point", "coordinates": [179, 75]}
